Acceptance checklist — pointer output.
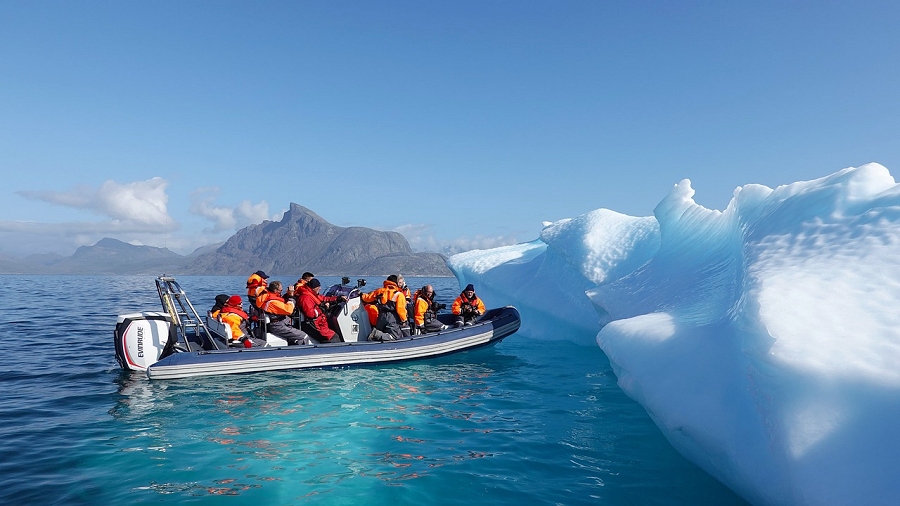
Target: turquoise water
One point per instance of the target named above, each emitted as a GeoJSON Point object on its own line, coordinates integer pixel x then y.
{"type": "Point", "coordinates": [528, 421]}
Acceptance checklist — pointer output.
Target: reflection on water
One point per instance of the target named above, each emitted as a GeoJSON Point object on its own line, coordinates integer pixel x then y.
{"type": "Point", "coordinates": [523, 422]}
{"type": "Point", "coordinates": [391, 424]}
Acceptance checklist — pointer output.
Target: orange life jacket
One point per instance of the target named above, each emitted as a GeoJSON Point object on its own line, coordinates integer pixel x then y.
{"type": "Point", "coordinates": [475, 302]}
{"type": "Point", "coordinates": [234, 310]}
{"type": "Point", "coordinates": [424, 312]}
{"type": "Point", "coordinates": [389, 293]}
{"type": "Point", "coordinates": [274, 304]}
{"type": "Point", "coordinates": [234, 317]}
{"type": "Point", "coordinates": [255, 285]}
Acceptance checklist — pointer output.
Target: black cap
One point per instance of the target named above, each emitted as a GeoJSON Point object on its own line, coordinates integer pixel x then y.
{"type": "Point", "coordinates": [261, 274]}
{"type": "Point", "coordinates": [469, 287]}
{"type": "Point", "coordinates": [314, 283]}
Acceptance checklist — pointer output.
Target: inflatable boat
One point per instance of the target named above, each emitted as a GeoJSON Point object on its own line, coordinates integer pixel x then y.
{"type": "Point", "coordinates": [178, 342]}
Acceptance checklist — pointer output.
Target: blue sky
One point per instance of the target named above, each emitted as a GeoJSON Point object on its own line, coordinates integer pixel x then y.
{"type": "Point", "coordinates": [460, 124]}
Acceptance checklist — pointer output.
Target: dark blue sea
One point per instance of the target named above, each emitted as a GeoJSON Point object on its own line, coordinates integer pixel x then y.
{"type": "Point", "coordinates": [529, 421]}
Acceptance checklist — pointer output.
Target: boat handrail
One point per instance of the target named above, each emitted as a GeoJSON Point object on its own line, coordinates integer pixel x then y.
{"type": "Point", "coordinates": [184, 316]}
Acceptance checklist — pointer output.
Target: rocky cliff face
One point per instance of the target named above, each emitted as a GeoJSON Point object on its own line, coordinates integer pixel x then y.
{"type": "Point", "coordinates": [304, 241]}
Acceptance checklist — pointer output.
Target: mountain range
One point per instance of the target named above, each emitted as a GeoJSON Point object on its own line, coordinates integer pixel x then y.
{"type": "Point", "coordinates": [301, 241]}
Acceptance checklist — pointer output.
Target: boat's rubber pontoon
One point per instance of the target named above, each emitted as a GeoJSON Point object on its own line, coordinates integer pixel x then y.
{"type": "Point", "coordinates": [179, 343]}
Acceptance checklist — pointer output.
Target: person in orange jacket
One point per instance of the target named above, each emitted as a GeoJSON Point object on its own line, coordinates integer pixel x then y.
{"type": "Point", "coordinates": [279, 311]}
{"type": "Point", "coordinates": [425, 311]}
{"type": "Point", "coordinates": [467, 307]}
{"type": "Point", "coordinates": [229, 311]}
{"type": "Point", "coordinates": [256, 283]}
{"type": "Point", "coordinates": [391, 303]}
{"type": "Point", "coordinates": [311, 305]}
{"type": "Point", "coordinates": [233, 315]}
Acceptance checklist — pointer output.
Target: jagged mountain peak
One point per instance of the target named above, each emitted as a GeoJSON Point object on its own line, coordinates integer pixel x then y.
{"type": "Point", "coordinates": [297, 212]}
{"type": "Point", "coordinates": [304, 241]}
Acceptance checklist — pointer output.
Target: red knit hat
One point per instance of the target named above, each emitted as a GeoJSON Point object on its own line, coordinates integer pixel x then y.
{"type": "Point", "coordinates": [234, 300]}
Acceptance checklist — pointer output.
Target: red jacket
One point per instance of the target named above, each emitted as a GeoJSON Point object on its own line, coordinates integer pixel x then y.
{"type": "Point", "coordinates": [310, 303]}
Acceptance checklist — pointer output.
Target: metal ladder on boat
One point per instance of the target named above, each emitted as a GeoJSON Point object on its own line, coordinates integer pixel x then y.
{"type": "Point", "coordinates": [185, 318]}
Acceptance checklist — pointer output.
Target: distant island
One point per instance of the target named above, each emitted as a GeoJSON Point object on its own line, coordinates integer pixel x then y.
{"type": "Point", "coordinates": [301, 241]}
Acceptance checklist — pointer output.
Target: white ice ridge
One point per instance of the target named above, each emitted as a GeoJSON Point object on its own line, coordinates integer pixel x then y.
{"type": "Point", "coordinates": [763, 340]}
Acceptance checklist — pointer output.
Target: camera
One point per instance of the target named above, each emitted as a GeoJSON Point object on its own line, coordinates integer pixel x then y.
{"type": "Point", "coordinates": [438, 307]}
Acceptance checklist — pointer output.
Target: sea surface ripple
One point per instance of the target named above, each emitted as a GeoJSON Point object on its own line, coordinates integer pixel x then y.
{"type": "Point", "coordinates": [529, 421]}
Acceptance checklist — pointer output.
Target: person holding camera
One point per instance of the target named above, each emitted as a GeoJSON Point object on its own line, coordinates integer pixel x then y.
{"type": "Point", "coordinates": [279, 311]}
{"type": "Point", "coordinates": [467, 307]}
{"type": "Point", "coordinates": [425, 311]}
{"type": "Point", "coordinates": [315, 307]}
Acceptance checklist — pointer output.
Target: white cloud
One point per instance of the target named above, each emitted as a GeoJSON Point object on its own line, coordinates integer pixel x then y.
{"type": "Point", "coordinates": [226, 219]}
{"type": "Point", "coordinates": [135, 212]}
{"type": "Point", "coordinates": [140, 204]}
{"type": "Point", "coordinates": [251, 214]}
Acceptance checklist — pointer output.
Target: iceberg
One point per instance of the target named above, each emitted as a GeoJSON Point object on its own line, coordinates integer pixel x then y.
{"type": "Point", "coordinates": [763, 340]}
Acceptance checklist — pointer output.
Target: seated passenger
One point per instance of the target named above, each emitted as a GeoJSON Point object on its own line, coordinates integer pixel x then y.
{"type": "Point", "coordinates": [314, 307]}
{"type": "Point", "coordinates": [256, 283]}
{"type": "Point", "coordinates": [304, 279]}
{"type": "Point", "coordinates": [279, 311]}
{"type": "Point", "coordinates": [233, 315]}
{"type": "Point", "coordinates": [392, 316]}
{"type": "Point", "coordinates": [425, 311]}
{"type": "Point", "coordinates": [221, 299]}
{"type": "Point", "coordinates": [467, 307]}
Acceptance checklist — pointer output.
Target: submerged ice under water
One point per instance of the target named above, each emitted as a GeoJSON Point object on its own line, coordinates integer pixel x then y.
{"type": "Point", "coordinates": [533, 420]}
